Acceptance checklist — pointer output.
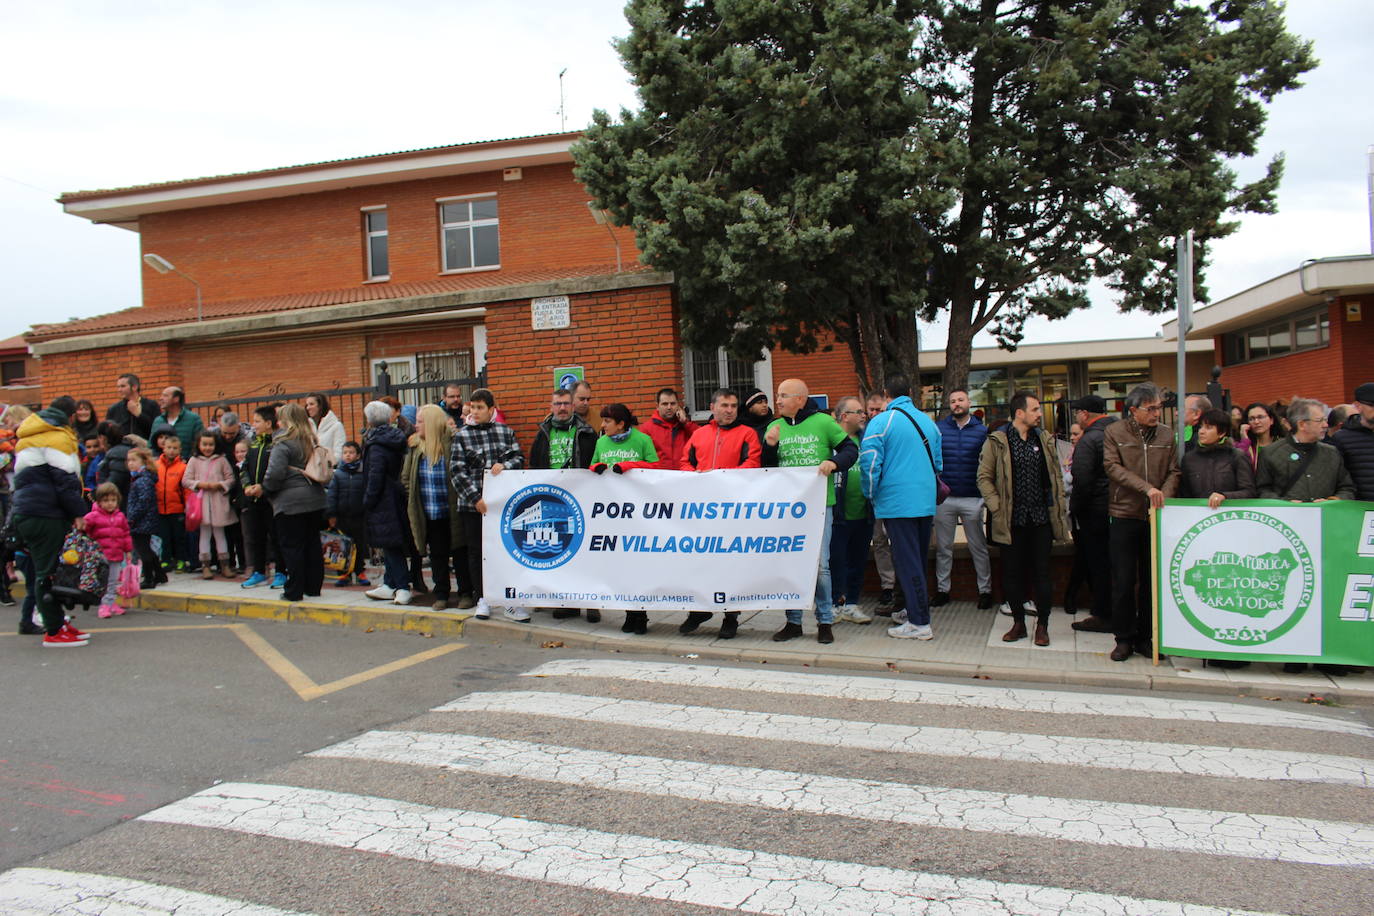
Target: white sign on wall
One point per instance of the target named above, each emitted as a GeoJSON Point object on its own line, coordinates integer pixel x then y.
{"type": "Point", "coordinates": [548, 313]}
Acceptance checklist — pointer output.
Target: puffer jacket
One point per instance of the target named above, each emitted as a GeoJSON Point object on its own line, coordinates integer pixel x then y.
{"type": "Point", "coordinates": [1135, 467]}
{"type": "Point", "coordinates": [111, 531]}
{"type": "Point", "coordinates": [47, 469]}
{"type": "Point", "coordinates": [961, 448]}
{"type": "Point", "coordinates": [714, 446]}
{"type": "Point", "coordinates": [114, 466]}
{"type": "Point", "coordinates": [996, 488]}
{"type": "Point", "coordinates": [1219, 468]}
{"type": "Point", "coordinates": [384, 500]}
{"type": "Point", "coordinates": [141, 506]}
{"type": "Point", "coordinates": [1355, 441]}
{"type": "Point", "coordinates": [1089, 496]}
{"type": "Point", "coordinates": [670, 440]}
{"type": "Point", "coordinates": [343, 498]}
{"type": "Point", "coordinates": [171, 498]}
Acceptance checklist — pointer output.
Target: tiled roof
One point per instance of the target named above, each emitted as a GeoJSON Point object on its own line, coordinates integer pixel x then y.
{"type": "Point", "coordinates": [148, 317]}
{"type": "Point", "coordinates": [86, 195]}
{"type": "Point", "coordinates": [17, 342]}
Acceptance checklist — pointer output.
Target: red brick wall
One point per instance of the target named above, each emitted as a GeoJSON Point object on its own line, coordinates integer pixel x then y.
{"type": "Point", "coordinates": [92, 373]}
{"type": "Point", "coordinates": [1357, 343]}
{"type": "Point", "coordinates": [1320, 373]}
{"type": "Point", "coordinates": [315, 242]}
{"type": "Point", "coordinates": [829, 371]}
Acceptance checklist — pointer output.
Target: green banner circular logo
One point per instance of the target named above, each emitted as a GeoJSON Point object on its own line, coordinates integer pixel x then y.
{"type": "Point", "coordinates": [1244, 586]}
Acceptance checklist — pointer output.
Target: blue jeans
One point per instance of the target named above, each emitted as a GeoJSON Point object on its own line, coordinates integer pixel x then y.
{"type": "Point", "coordinates": [825, 611]}
{"type": "Point", "coordinates": [849, 556]}
{"type": "Point", "coordinates": [910, 540]}
{"type": "Point", "coordinates": [395, 568]}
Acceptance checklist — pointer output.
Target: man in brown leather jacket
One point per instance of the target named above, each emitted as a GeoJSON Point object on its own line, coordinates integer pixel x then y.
{"type": "Point", "coordinates": [1139, 457]}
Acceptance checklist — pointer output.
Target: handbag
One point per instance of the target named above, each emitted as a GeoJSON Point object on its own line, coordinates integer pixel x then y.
{"type": "Point", "coordinates": [194, 510]}
{"type": "Point", "coordinates": [129, 578]}
{"type": "Point", "coordinates": [338, 550]}
{"type": "Point", "coordinates": [318, 468]}
{"type": "Point", "coordinates": [941, 488]}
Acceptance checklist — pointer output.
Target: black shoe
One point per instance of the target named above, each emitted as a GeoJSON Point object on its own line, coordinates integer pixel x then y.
{"type": "Point", "coordinates": [593, 615]}
{"type": "Point", "coordinates": [940, 599]}
{"type": "Point", "coordinates": [1070, 607]}
{"type": "Point", "coordinates": [563, 613]}
{"type": "Point", "coordinates": [1333, 670]}
{"type": "Point", "coordinates": [823, 634]}
{"type": "Point", "coordinates": [729, 626]}
{"type": "Point", "coordinates": [694, 620]}
{"type": "Point", "coordinates": [1230, 663]}
{"type": "Point", "coordinates": [984, 601]}
{"type": "Point", "coordinates": [6, 599]}
{"type": "Point", "coordinates": [28, 629]}
{"type": "Point", "coordinates": [885, 599]}
{"type": "Point", "coordinates": [636, 622]}
{"type": "Point", "coordinates": [1121, 652]}
{"type": "Point", "coordinates": [788, 631]}
{"type": "Point", "coordinates": [1092, 624]}
{"type": "Point", "coordinates": [1294, 667]}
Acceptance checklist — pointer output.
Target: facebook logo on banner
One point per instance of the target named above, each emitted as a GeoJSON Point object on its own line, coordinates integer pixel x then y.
{"type": "Point", "coordinates": [510, 592]}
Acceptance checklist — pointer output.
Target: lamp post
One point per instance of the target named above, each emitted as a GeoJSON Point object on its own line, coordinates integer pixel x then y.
{"type": "Point", "coordinates": [160, 264]}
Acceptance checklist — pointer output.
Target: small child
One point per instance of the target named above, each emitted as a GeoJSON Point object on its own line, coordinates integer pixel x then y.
{"type": "Point", "coordinates": [171, 504]}
{"type": "Point", "coordinates": [110, 529]}
{"type": "Point", "coordinates": [211, 474]}
{"type": "Point", "coordinates": [344, 509]}
{"type": "Point", "coordinates": [234, 533]}
{"type": "Point", "coordinates": [91, 458]}
{"type": "Point", "coordinates": [142, 513]}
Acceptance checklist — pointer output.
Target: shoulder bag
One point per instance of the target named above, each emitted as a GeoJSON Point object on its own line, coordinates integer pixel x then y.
{"type": "Point", "coordinates": [941, 488]}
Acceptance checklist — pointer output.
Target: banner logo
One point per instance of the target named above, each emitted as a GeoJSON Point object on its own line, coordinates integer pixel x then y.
{"type": "Point", "coordinates": [542, 526]}
{"type": "Point", "coordinates": [1246, 585]}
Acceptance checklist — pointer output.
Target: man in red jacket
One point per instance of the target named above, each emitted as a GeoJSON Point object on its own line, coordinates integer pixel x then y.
{"type": "Point", "coordinates": [722, 444]}
{"type": "Point", "coordinates": [670, 429]}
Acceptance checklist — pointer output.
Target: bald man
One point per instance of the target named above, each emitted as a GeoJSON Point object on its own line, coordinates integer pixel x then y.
{"type": "Point", "coordinates": [803, 436]}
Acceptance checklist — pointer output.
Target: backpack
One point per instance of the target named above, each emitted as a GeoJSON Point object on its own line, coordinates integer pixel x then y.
{"type": "Point", "coordinates": [318, 467]}
{"type": "Point", "coordinates": [82, 572]}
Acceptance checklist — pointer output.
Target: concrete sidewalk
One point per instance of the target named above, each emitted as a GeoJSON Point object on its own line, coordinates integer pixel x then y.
{"type": "Point", "coordinates": [967, 642]}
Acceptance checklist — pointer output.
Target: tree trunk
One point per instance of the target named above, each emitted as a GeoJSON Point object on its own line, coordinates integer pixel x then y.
{"type": "Point", "coordinates": [959, 346]}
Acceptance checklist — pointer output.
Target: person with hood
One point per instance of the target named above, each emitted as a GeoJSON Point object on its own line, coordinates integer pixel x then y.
{"type": "Point", "coordinates": [384, 501]}
{"type": "Point", "coordinates": [329, 429]}
{"type": "Point", "coordinates": [722, 444]}
{"type": "Point", "coordinates": [563, 440]}
{"type": "Point", "coordinates": [1355, 441]}
{"type": "Point", "coordinates": [804, 436]}
{"type": "Point", "coordinates": [1088, 502]}
{"type": "Point", "coordinates": [343, 506]}
{"type": "Point", "coordinates": [46, 504]}
{"type": "Point", "coordinates": [961, 441]}
{"type": "Point", "coordinates": [669, 428]}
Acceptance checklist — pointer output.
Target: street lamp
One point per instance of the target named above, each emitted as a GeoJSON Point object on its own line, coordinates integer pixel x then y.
{"type": "Point", "coordinates": [160, 264]}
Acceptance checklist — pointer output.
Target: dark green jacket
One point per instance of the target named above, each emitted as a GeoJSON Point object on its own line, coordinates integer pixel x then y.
{"type": "Point", "coordinates": [1325, 475]}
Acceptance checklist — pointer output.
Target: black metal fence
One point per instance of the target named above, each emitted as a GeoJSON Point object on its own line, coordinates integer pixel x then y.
{"type": "Point", "coordinates": [347, 403]}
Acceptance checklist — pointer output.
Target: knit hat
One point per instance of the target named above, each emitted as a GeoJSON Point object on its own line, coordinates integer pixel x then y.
{"type": "Point", "coordinates": [756, 394]}
{"type": "Point", "coordinates": [1365, 393]}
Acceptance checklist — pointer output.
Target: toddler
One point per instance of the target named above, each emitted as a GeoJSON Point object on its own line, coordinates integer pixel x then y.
{"type": "Point", "coordinates": [210, 473]}
{"type": "Point", "coordinates": [142, 513]}
{"type": "Point", "coordinates": [110, 529]}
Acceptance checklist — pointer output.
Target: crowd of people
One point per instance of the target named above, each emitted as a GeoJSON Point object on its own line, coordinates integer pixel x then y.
{"type": "Point", "coordinates": [409, 489]}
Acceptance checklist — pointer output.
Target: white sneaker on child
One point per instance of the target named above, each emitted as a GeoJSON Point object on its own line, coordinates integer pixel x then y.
{"type": "Point", "coordinates": [483, 610]}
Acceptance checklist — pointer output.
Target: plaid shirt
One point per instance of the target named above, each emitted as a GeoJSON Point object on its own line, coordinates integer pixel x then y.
{"type": "Point", "coordinates": [433, 483]}
{"type": "Point", "coordinates": [475, 449]}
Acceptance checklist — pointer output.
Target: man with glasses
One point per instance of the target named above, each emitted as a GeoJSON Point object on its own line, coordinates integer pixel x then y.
{"type": "Point", "coordinates": [1142, 472]}
{"type": "Point", "coordinates": [853, 525]}
{"type": "Point", "coordinates": [1301, 468]}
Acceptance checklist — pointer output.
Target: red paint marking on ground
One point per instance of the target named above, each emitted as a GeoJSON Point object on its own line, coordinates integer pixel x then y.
{"type": "Point", "coordinates": [74, 812]}
{"type": "Point", "coordinates": [55, 785]}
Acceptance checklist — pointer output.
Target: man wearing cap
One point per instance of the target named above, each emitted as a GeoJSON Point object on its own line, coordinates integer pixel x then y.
{"type": "Point", "coordinates": [1355, 440]}
{"type": "Point", "coordinates": [961, 439]}
{"type": "Point", "coordinates": [1088, 501]}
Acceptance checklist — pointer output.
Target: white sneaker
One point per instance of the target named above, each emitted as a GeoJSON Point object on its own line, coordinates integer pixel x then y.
{"type": "Point", "coordinates": [483, 610]}
{"type": "Point", "coordinates": [854, 614]}
{"type": "Point", "coordinates": [899, 617]}
{"type": "Point", "coordinates": [1004, 609]}
{"type": "Point", "coordinates": [1028, 606]}
{"type": "Point", "coordinates": [381, 593]}
{"type": "Point", "coordinates": [402, 596]}
{"type": "Point", "coordinates": [911, 631]}
{"type": "Point", "coordinates": [518, 614]}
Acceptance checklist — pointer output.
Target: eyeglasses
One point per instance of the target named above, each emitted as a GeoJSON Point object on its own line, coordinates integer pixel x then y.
{"type": "Point", "coordinates": [851, 413]}
{"type": "Point", "coordinates": [1321, 420]}
{"type": "Point", "coordinates": [1151, 408]}
{"type": "Point", "coordinates": [782, 395]}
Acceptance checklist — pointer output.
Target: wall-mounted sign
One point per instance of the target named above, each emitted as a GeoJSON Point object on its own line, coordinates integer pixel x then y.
{"type": "Point", "coordinates": [567, 377]}
{"type": "Point", "coordinates": [548, 313]}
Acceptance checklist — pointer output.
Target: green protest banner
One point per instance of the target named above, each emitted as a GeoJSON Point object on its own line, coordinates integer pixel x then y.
{"type": "Point", "coordinates": [1266, 580]}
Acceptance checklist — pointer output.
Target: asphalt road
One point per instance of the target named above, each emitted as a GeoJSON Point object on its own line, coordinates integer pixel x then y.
{"type": "Point", "coordinates": [495, 779]}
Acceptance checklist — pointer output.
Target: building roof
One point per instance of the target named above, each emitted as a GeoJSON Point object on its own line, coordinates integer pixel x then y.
{"type": "Point", "coordinates": [149, 317]}
{"type": "Point", "coordinates": [1059, 351]}
{"type": "Point", "coordinates": [17, 342]}
{"type": "Point", "coordinates": [123, 206]}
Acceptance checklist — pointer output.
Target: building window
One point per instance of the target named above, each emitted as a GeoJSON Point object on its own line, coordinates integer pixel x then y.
{"type": "Point", "coordinates": [374, 229]}
{"type": "Point", "coordinates": [470, 234]}
{"type": "Point", "coordinates": [707, 370]}
{"type": "Point", "coordinates": [1304, 331]}
{"type": "Point", "coordinates": [11, 370]}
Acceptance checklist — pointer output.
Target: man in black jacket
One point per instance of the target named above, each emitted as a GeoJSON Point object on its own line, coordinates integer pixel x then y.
{"type": "Point", "coordinates": [132, 412]}
{"type": "Point", "coordinates": [1088, 506]}
{"type": "Point", "coordinates": [1355, 440]}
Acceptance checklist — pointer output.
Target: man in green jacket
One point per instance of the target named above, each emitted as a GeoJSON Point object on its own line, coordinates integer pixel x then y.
{"type": "Point", "coordinates": [1302, 468]}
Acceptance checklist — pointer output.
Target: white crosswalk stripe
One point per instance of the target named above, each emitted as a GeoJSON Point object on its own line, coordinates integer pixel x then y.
{"type": "Point", "coordinates": [1286, 839]}
{"type": "Point", "coordinates": [1106, 753]}
{"type": "Point", "coordinates": [641, 800]}
{"type": "Point", "coordinates": [968, 696]}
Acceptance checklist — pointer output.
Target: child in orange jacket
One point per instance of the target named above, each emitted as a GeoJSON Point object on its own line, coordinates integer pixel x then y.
{"type": "Point", "coordinates": [171, 504]}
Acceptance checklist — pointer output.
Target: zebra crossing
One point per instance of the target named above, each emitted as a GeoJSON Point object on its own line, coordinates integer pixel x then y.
{"type": "Point", "coordinates": [623, 786]}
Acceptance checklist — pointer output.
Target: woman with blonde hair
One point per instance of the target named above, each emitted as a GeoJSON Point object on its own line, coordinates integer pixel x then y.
{"type": "Point", "coordinates": [431, 504]}
{"type": "Point", "coordinates": [297, 502]}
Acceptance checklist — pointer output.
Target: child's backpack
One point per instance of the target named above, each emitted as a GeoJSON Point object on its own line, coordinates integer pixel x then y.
{"type": "Point", "coordinates": [82, 572]}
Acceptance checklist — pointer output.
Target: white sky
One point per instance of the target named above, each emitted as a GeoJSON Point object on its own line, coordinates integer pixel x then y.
{"type": "Point", "coordinates": [108, 94]}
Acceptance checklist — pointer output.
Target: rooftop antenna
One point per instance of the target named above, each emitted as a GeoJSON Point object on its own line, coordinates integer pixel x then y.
{"type": "Point", "coordinates": [562, 107]}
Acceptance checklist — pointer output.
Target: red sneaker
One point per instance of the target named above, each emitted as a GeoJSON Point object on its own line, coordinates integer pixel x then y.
{"type": "Point", "coordinates": [63, 638]}
{"type": "Point", "coordinates": [80, 634]}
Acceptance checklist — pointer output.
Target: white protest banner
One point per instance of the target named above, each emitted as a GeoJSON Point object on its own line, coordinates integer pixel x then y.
{"type": "Point", "coordinates": [737, 540]}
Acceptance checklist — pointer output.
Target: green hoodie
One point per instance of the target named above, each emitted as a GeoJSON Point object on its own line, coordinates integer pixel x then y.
{"type": "Point", "coordinates": [806, 440]}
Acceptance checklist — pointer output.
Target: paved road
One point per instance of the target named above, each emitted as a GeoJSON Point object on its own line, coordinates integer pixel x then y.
{"type": "Point", "coordinates": [615, 785]}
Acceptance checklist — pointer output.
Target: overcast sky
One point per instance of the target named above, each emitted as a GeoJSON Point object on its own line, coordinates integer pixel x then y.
{"type": "Point", "coordinates": [107, 94]}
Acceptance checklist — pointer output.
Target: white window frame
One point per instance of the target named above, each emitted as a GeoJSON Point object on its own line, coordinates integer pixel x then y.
{"type": "Point", "coordinates": [368, 235]}
{"type": "Point", "coordinates": [763, 378]}
{"type": "Point", "coordinates": [470, 224]}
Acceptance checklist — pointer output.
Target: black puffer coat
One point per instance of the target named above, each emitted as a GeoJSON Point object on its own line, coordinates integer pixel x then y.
{"type": "Point", "coordinates": [1218, 469]}
{"type": "Point", "coordinates": [384, 499]}
{"type": "Point", "coordinates": [1355, 441]}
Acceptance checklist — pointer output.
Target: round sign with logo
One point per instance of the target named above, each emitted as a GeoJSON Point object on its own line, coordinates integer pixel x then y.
{"type": "Point", "coordinates": [1244, 583]}
{"type": "Point", "coordinates": [542, 526]}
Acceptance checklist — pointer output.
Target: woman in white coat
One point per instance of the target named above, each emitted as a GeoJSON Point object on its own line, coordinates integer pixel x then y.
{"type": "Point", "coordinates": [329, 429]}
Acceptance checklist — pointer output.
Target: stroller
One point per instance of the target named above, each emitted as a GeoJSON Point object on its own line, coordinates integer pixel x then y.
{"type": "Point", "coordinates": [81, 574]}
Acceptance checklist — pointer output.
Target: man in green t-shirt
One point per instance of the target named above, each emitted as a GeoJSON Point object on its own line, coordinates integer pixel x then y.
{"type": "Point", "coordinates": [564, 440]}
{"type": "Point", "coordinates": [805, 436]}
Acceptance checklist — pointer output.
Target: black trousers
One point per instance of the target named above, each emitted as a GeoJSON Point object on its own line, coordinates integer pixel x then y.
{"type": "Point", "coordinates": [1027, 557]}
{"type": "Point", "coordinates": [1093, 545]}
{"type": "Point", "coordinates": [152, 566]}
{"type": "Point", "coordinates": [443, 557]}
{"type": "Point", "coordinates": [260, 538]}
{"type": "Point", "coordinates": [44, 537]}
{"type": "Point", "coordinates": [472, 533]}
{"type": "Point", "coordinates": [299, 538]}
{"type": "Point", "coordinates": [1131, 587]}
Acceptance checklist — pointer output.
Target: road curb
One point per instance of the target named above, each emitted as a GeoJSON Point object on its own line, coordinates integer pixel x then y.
{"type": "Point", "coordinates": [380, 617]}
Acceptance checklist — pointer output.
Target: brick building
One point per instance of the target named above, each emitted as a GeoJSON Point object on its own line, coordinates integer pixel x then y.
{"type": "Point", "coordinates": [1301, 333]}
{"type": "Point", "coordinates": [18, 373]}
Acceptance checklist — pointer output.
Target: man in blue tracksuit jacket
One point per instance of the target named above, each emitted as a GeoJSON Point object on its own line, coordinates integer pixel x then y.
{"type": "Point", "coordinates": [898, 477]}
{"type": "Point", "coordinates": [961, 440]}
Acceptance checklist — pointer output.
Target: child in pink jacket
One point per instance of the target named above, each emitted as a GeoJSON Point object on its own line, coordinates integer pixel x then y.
{"type": "Point", "coordinates": [110, 529]}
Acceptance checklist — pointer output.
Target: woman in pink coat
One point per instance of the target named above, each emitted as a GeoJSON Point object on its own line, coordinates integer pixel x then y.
{"type": "Point", "coordinates": [110, 529]}
{"type": "Point", "coordinates": [211, 476]}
